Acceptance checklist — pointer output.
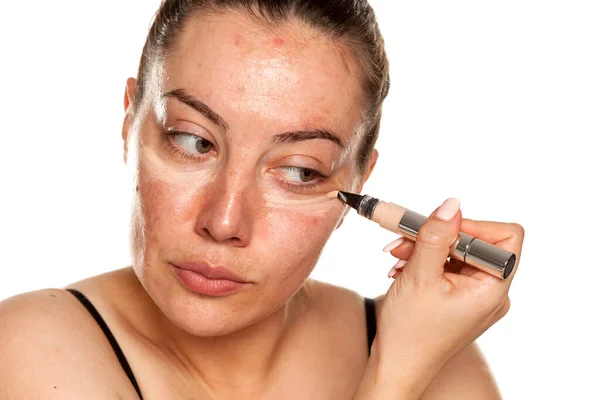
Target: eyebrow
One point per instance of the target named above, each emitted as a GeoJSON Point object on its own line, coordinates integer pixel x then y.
{"type": "Point", "coordinates": [287, 137]}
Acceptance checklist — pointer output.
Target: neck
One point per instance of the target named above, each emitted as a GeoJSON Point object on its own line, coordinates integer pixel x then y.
{"type": "Point", "coordinates": [244, 360]}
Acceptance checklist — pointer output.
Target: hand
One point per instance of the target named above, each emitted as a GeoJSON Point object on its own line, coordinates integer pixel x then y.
{"type": "Point", "coordinates": [435, 307]}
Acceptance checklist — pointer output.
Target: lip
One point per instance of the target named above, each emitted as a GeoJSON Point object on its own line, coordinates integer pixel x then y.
{"type": "Point", "coordinates": [210, 272]}
{"type": "Point", "coordinates": [202, 278]}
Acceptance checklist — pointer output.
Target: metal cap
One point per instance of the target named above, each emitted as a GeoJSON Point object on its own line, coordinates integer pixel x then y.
{"type": "Point", "coordinates": [487, 257]}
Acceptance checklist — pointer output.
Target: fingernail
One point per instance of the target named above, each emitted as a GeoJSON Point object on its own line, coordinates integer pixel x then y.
{"type": "Point", "coordinates": [396, 268]}
{"type": "Point", "coordinates": [393, 245]}
{"type": "Point", "coordinates": [448, 209]}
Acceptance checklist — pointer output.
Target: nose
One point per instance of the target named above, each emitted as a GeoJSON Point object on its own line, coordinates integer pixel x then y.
{"type": "Point", "coordinates": [226, 213]}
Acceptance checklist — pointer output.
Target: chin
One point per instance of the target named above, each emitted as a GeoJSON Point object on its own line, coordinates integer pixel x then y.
{"type": "Point", "coordinates": [196, 314]}
{"type": "Point", "coordinates": [204, 320]}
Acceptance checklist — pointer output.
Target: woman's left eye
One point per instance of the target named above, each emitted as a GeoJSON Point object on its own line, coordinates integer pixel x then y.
{"type": "Point", "coordinates": [301, 175]}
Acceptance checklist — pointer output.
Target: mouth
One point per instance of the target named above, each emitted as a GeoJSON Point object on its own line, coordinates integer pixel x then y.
{"type": "Point", "coordinates": [204, 279]}
{"type": "Point", "coordinates": [210, 272]}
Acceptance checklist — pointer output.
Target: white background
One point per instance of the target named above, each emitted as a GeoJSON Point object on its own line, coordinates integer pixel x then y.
{"type": "Point", "coordinates": [495, 103]}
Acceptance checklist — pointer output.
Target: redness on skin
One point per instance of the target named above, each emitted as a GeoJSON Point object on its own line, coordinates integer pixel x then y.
{"type": "Point", "coordinates": [156, 168]}
{"type": "Point", "coordinates": [278, 41]}
{"type": "Point", "coordinates": [237, 39]}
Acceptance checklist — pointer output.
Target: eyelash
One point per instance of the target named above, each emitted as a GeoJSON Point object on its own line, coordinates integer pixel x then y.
{"type": "Point", "coordinates": [305, 186]}
{"type": "Point", "coordinates": [174, 149]}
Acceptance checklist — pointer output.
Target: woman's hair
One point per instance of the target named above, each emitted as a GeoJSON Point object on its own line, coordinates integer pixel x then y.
{"type": "Point", "coordinates": [350, 22]}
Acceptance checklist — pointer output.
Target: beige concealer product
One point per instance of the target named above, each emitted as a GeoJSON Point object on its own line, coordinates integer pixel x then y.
{"type": "Point", "coordinates": [470, 250]}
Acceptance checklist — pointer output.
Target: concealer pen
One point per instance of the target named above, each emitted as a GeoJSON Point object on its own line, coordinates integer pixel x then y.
{"type": "Point", "coordinates": [394, 218]}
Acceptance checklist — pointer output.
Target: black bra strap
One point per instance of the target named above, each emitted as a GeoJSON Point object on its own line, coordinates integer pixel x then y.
{"type": "Point", "coordinates": [111, 339]}
{"type": "Point", "coordinates": [371, 321]}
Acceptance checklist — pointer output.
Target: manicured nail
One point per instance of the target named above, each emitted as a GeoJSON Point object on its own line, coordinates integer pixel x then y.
{"type": "Point", "coordinates": [393, 245]}
{"type": "Point", "coordinates": [448, 209]}
{"type": "Point", "coordinates": [399, 265]}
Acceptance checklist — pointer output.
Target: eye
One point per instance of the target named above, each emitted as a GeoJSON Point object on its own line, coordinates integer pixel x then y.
{"type": "Point", "coordinates": [299, 174]}
{"type": "Point", "coordinates": [191, 143]}
{"type": "Point", "coordinates": [204, 146]}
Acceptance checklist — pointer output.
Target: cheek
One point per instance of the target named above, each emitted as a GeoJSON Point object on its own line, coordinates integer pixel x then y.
{"type": "Point", "coordinates": [298, 237]}
{"type": "Point", "coordinates": [163, 209]}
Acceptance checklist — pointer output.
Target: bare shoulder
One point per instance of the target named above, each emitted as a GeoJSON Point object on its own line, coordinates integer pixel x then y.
{"type": "Point", "coordinates": [336, 299]}
{"type": "Point", "coordinates": [51, 348]}
{"type": "Point", "coordinates": [466, 376]}
{"type": "Point", "coordinates": [343, 311]}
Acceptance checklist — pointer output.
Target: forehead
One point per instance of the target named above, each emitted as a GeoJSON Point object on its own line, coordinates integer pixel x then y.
{"type": "Point", "coordinates": [293, 76]}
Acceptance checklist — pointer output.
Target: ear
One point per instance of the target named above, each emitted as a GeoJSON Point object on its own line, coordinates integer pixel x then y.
{"type": "Point", "coordinates": [127, 120]}
{"type": "Point", "coordinates": [372, 161]}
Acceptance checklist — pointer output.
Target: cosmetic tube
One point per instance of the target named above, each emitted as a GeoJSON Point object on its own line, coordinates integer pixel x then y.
{"type": "Point", "coordinates": [395, 218]}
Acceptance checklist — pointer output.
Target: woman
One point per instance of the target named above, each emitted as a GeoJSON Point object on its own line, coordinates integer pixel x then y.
{"type": "Point", "coordinates": [244, 115]}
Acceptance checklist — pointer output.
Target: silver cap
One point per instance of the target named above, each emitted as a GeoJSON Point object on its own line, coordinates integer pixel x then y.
{"type": "Point", "coordinates": [482, 255]}
{"type": "Point", "coordinates": [473, 251]}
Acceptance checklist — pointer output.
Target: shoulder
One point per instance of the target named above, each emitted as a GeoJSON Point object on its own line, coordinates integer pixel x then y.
{"type": "Point", "coordinates": [340, 298]}
{"type": "Point", "coordinates": [52, 348]}
{"type": "Point", "coordinates": [333, 298]}
{"type": "Point", "coordinates": [343, 310]}
{"type": "Point", "coordinates": [466, 376]}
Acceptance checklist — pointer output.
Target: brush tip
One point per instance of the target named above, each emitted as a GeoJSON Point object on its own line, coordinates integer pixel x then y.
{"type": "Point", "coordinates": [342, 196]}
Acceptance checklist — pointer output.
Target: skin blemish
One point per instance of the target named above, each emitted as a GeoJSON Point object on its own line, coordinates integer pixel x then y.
{"type": "Point", "coordinates": [237, 39]}
{"type": "Point", "coordinates": [278, 41]}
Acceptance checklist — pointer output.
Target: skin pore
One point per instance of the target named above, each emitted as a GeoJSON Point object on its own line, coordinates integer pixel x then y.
{"type": "Point", "coordinates": [243, 186]}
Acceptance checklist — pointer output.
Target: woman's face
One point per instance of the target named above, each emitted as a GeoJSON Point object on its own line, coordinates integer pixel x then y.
{"type": "Point", "coordinates": [241, 135]}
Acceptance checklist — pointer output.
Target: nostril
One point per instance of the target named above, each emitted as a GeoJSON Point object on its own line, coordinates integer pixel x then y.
{"type": "Point", "coordinates": [234, 241]}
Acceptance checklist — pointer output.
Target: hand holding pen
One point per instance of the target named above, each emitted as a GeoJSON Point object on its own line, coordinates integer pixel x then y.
{"type": "Point", "coordinates": [435, 308]}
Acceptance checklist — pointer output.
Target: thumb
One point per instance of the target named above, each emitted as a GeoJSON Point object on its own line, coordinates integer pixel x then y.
{"type": "Point", "coordinates": [432, 245]}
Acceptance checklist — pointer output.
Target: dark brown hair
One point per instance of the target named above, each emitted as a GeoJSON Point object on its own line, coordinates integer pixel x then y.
{"type": "Point", "coordinates": [351, 22]}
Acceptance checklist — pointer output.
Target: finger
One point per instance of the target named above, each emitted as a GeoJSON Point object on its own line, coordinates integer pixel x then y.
{"type": "Point", "coordinates": [434, 238]}
{"type": "Point", "coordinates": [396, 273]}
{"type": "Point", "coordinates": [491, 231]}
{"type": "Point", "coordinates": [394, 244]}
{"type": "Point", "coordinates": [396, 269]}
{"type": "Point", "coordinates": [404, 250]}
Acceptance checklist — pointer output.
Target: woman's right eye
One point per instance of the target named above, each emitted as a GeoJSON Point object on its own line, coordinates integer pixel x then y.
{"type": "Point", "coordinates": [191, 144]}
